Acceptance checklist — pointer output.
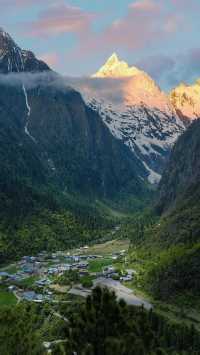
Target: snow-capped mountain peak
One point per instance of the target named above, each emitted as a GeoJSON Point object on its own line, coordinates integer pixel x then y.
{"type": "Point", "coordinates": [136, 111]}
{"type": "Point", "coordinates": [116, 68]}
{"type": "Point", "coordinates": [186, 100]}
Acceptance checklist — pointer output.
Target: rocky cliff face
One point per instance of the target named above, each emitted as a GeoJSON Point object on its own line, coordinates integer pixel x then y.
{"type": "Point", "coordinates": [14, 59]}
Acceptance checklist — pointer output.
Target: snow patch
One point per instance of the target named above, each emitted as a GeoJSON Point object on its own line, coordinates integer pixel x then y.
{"type": "Point", "coordinates": [153, 177]}
{"type": "Point", "coordinates": [28, 115]}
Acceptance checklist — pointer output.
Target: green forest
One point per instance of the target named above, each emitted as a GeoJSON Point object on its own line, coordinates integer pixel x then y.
{"type": "Point", "coordinates": [101, 325]}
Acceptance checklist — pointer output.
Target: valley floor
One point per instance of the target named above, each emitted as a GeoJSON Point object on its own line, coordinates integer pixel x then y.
{"type": "Point", "coordinates": [66, 275]}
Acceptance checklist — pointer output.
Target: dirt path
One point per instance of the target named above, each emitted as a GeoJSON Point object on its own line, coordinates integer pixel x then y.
{"type": "Point", "coordinates": [122, 292]}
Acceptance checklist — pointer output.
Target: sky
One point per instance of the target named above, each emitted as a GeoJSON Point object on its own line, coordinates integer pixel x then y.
{"type": "Point", "coordinates": [76, 37]}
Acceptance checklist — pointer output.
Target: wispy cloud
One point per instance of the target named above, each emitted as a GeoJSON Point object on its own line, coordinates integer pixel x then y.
{"type": "Point", "coordinates": [169, 71]}
{"type": "Point", "coordinates": [145, 6]}
{"type": "Point", "coordinates": [30, 80]}
{"type": "Point", "coordinates": [25, 3]}
{"type": "Point", "coordinates": [147, 23]}
{"type": "Point", "coordinates": [59, 19]}
{"type": "Point", "coordinates": [52, 59]}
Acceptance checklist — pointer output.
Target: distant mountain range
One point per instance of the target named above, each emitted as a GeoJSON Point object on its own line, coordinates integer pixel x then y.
{"type": "Point", "coordinates": [118, 142]}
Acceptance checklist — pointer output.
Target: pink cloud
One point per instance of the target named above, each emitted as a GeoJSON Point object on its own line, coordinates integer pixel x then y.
{"type": "Point", "coordinates": [145, 5]}
{"type": "Point", "coordinates": [8, 3]}
{"type": "Point", "coordinates": [59, 19]}
{"type": "Point", "coordinates": [170, 71]}
{"type": "Point", "coordinates": [147, 22]}
{"type": "Point", "coordinates": [173, 23]}
{"type": "Point", "coordinates": [52, 59]}
{"type": "Point", "coordinates": [186, 4]}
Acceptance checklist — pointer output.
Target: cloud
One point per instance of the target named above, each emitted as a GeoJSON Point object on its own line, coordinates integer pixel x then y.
{"type": "Point", "coordinates": [110, 89]}
{"type": "Point", "coordinates": [169, 71]}
{"type": "Point", "coordinates": [52, 59]}
{"type": "Point", "coordinates": [25, 3]}
{"type": "Point", "coordinates": [190, 64]}
{"type": "Point", "coordinates": [192, 5]}
{"type": "Point", "coordinates": [157, 66]}
{"type": "Point", "coordinates": [145, 6]}
{"type": "Point", "coordinates": [147, 23]}
{"type": "Point", "coordinates": [59, 19]}
{"type": "Point", "coordinates": [30, 80]}
{"type": "Point", "coordinates": [174, 23]}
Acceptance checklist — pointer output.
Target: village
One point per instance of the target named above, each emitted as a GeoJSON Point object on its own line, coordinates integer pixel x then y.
{"type": "Point", "coordinates": [54, 277]}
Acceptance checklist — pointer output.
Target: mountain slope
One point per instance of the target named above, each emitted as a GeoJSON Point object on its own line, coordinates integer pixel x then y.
{"type": "Point", "coordinates": [176, 238]}
{"type": "Point", "coordinates": [167, 242]}
{"type": "Point", "coordinates": [182, 174]}
{"type": "Point", "coordinates": [136, 111]}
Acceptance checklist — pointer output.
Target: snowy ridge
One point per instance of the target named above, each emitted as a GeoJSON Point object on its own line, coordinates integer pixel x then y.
{"type": "Point", "coordinates": [186, 100]}
{"type": "Point", "coordinates": [148, 132]}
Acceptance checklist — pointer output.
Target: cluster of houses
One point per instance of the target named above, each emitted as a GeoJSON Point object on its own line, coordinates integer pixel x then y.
{"type": "Point", "coordinates": [111, 272]}
{"type": "Point", "coordinates": [48, 267]}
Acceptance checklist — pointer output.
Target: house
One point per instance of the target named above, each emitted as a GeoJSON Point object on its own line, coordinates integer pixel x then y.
{"type": "Point", "coordinates": [131, 272]}
{"type": "Point", "coordinates": [64, 267]}
{"type": "Point", "coordinates": [75, 258]}
{"type": "Point", "coordinates": [28, 259]}
{"type": "Point", "coordinates": [82, 265]}
{"type": "Point", "coordinates": [32, 296]}
{"type": "Point", "coordinates": [28, 295]}
{"type": "Point", "coordinates": [17, 277]}
{"type": "Point", "coordinates": [53, 270]}
{"type": "Point", "coordinates": [93, 257]}
{"type": "Point", "coordinates": [43, 282]}
{"type": "Point", "coordinates": [126, 278]}
{"type": "Point", "coordinates": [28, 269]}
{"type": "Point", "coordinates": [109, 271]}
